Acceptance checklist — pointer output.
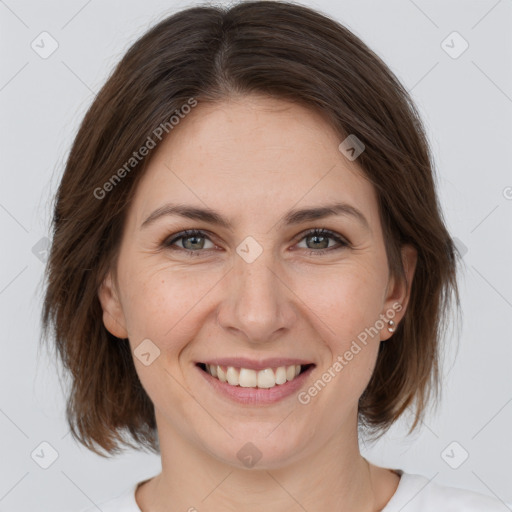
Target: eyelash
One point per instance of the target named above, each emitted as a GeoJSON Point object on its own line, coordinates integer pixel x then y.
{"type": "Point", "coordinates": [168, 242]}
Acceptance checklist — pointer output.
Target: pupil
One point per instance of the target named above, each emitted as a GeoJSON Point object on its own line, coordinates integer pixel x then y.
{"type": "Point", "coordinates": [321, 237]}
{"type": "Point", "coordinates": [193, 238]}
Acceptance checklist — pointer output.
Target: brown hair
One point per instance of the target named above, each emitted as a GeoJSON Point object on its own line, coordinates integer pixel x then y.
{"type": "Point", "coordinates": [208, 53]}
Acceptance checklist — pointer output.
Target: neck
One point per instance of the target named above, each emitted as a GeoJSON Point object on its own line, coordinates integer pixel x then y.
{"type": "Point", "coordinates": [334, 477]}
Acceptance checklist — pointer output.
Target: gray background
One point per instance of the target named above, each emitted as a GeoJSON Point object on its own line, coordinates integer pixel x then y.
{"type": "Point", "coordinates": [466, 103]}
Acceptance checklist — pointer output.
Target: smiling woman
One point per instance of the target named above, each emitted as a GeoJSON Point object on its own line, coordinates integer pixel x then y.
{"type": "Point", "coordinates": [271, 277]}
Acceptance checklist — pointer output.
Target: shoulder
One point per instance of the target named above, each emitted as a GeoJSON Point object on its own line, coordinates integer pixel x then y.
{"type": "Point", "coordinates": [124, 502]}
{"type": "Point", "coordinates": [416, 493]}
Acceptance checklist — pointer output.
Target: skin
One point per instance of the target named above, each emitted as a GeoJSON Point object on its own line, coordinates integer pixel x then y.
{"type": "Point", "coordinates": [253, 159]}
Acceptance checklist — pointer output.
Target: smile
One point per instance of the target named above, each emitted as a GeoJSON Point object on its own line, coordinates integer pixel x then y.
{"type": "Point", "coordinates": [249, 378]}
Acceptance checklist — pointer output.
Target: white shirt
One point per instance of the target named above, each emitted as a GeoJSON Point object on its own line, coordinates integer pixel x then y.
{"type": "Point", "coordinates": [415, 493]}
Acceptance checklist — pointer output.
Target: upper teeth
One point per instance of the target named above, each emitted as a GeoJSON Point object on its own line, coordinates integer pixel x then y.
{"type": "Point", "coordinates": [246, 378]}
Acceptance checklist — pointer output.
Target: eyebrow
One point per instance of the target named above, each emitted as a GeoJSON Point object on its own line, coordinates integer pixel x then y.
{"type": "Point", "coordinates": [291, 218]}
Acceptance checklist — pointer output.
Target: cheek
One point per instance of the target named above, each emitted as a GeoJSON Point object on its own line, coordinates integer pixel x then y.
{"type": "Point", "coordinates": [162, 308]}
{"type": "Point", "coordinates": [349, 304]}
{"type": "Point", "coordinates": [162, 305]}
{"type": "Point", "coordinates": [348, 301]}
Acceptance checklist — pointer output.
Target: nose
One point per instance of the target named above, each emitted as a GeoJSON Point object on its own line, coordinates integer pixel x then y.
{"type": "Point", "coordinates": [257, 301]}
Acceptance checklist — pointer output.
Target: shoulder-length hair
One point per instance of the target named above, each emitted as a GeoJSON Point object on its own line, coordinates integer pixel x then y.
{"type": "Point", "coordinates": [206, 54]}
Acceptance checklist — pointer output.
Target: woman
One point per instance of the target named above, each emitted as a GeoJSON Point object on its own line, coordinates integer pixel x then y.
{"type": "Point", "coordinates": [249, 265]}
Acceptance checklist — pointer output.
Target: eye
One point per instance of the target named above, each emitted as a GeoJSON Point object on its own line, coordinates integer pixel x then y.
{"type": "Point", "coordinates": [321, 238]}
{"type": "Point", "coordinates": [193, 241]}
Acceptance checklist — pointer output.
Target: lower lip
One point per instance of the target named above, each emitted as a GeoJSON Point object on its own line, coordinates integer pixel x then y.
{"type": "Point", "coordinates": [257, 396]}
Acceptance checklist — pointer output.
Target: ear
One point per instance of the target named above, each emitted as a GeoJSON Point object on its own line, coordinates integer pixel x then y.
{"type": "Point", "coordinates": [399, 291]}
{"type": "Point", "coordinates": [113, 316]}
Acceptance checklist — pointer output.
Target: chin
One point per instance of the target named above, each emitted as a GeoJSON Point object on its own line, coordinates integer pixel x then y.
{"type": "Point", "coordinates": [253, 448]}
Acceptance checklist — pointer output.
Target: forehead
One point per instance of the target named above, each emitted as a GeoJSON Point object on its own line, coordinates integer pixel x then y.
{"type": "Point", "coordinates": [253, 156]}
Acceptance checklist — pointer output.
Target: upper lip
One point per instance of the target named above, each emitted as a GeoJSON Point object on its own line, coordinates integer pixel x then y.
{"type": "Point", "coordinates": [251, 364]}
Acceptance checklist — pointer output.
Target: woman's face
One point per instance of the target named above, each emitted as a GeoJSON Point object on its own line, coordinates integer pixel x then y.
{"type": "Point", "coordinates": [257, 291]}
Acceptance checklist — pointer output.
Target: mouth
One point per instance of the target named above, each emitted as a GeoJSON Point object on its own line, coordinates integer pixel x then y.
{"type": "Point", "coordinates": [257, 377]}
